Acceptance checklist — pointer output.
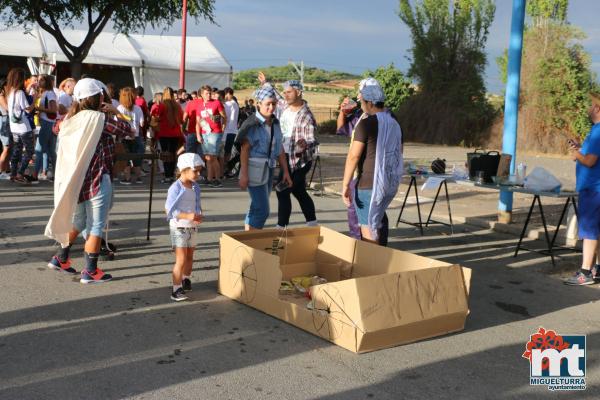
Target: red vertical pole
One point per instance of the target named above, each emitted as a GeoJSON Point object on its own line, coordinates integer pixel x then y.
{"type": "Point", "coordinates": [183, 37]}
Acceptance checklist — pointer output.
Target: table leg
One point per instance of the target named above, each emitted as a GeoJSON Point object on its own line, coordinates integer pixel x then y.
{"type": "Point", "coordinates": [545, 230]}
{"type": "Point", "coordinates": [418, 206]}
{"type": "Point", "coordinates": [562, 215]}
{"type": "Point", "coordinates": [525, 226]}
{"type": "Point", "coordinates": [449, 212]}
{"type": "Point", "coordinates": [404, 202]}
{"type": "Point", "coordinates": [434, 202]}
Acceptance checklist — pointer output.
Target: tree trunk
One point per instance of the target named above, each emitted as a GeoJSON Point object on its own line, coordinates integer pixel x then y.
{"type": "Point", "coordinates": [76, 67]}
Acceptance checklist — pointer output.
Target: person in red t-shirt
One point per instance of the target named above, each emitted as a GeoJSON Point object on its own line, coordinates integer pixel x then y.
{"type": "Point", "coordinates": [210, 121]}
{"type": "Point", "coordinates": [189, 122]}
{"type": "Point", "coordinates": [169, 135]}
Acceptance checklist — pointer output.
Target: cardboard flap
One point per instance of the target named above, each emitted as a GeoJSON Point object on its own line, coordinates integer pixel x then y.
{"type": "Point", "coordinates": [384, 301]}
{"type": "Point", "coordinates": [371, 259]}
{"type": "Point", "coordinates": [334, 247]}
{"type": "Point", "coordinates": [244, 271]}
{"type": "Point", "coordinates": [292, 245]}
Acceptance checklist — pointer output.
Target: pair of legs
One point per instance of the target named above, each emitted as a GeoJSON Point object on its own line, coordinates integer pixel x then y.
{"type": "Point", "coordinates": [184, 258]}
{"type": "Point", "coordinates": [362, 205]}
{"type": "Point", "coordinates": [22, 153]}
{"type": "Point", "coordinates": [90, 219]}
{"type": "Point", "coordinates": [169, 145]}
{"type": "Point", "coordinates": [45, 149]}
{"type": "Point", "coordinates": [298, 189]}
{"type": "Point", "coordinates": [212, 148]}
{"type": "Point", "coordinates": [259, 204]}
{"type": "Point", "coordinates": [135, 146]}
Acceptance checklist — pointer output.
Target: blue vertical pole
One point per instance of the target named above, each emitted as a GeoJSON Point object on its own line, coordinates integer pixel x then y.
{"type": "Point", "coordinates": [511, 101]}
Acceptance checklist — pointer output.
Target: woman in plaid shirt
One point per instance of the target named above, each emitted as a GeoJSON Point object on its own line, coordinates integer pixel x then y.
{"type": "Point", "coordinates": [95, 195]}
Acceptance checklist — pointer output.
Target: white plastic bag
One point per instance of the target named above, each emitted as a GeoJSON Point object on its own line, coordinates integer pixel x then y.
{"type": "Point", "coordinates": [540, 180]}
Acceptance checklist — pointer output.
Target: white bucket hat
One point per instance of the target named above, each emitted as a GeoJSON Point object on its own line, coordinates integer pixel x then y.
{"type": "Point", "coordinates": [189, 160]}
{"type": "Point", "coordinates": [86, 87]}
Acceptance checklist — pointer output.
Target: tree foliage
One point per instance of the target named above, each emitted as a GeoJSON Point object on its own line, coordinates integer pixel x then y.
{"type": "Point", "coordinates": [395, 85]}
{"type": "Point", "coordinates": [247, 78]}
{"type": "Point", "coordinates": [448, 61]}
{"type": "Point", "coordinates": [556, 78]}
{"type": "Point", "coordinates": [126, 16]}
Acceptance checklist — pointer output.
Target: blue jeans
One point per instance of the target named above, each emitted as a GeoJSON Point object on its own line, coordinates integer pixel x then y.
{"type": "Point", "coordinates": [91, 215]}
{"type": "Point", "coordinates": [19, 160]}
{"type": "Point", "coordinates": [259, 203]}
{"type": "Point", "coordinates": [45, 148]}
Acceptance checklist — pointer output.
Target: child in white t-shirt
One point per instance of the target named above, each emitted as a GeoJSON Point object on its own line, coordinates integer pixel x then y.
{"type": "Point", "coordinates": [184, 213]}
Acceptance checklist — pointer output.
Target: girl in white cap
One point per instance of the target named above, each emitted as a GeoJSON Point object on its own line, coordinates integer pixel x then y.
{"type": "Point", "coordinates": [184, 214]}
{"type": "Point", "coordinates": [82, 185]}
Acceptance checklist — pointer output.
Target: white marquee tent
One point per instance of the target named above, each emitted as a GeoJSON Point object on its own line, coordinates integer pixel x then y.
{"type": "Point", "coordinates": [154, 59]}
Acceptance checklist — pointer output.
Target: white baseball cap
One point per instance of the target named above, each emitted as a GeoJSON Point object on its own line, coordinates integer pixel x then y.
{"type": "Point", "coordinates": [86, 87]}
{"type": "Point", "coordinates": [189, 160]}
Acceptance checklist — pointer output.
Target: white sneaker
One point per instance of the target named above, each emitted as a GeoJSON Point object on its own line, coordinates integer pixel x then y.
{"type": "Point", "coordinates": [42, 177]}
{"type": "Point", "coordinates": [4, 176]}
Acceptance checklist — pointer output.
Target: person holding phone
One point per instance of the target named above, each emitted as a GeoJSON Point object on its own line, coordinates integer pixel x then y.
{"type": "Point", "coordinates": [83, 179]}
{"type": "Point", "coordinates": [588, 186]}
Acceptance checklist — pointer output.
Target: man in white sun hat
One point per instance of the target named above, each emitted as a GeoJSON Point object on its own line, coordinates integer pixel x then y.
{"type": "Point", "coordinates": [82, 185]}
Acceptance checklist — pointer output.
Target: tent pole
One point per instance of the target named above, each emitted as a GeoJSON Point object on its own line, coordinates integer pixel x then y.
{"type": "Point", "coordinates": [511, 102]}
{"type": "Point", "coordinates": [183, 40]}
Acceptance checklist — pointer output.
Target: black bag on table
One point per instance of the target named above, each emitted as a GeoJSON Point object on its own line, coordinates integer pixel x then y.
{"type": "Point", "coordinates": [480, 160]}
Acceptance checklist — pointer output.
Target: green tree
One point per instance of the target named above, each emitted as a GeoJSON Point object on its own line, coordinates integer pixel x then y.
{"type": "Point", "coordinates": [395, 85]}
{"type": "Point", "coordinates": [448, 62]}
{"type": "Point", "coordinates": [556, 78]}
{"type": "Point", "coordinates": [126, 16]}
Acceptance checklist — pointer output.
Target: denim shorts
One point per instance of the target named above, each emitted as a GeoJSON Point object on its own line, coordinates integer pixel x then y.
{"type": "Point", "coordinates": [91, 215]}
{"type": "Point", "coordinates": [362, 204]}
{"type": "Point", "coordinates": [212, 143]}
{"type": "Point", "coordinates": [589, 214]}
{"type": "Point", "coordinates": [183, 237]}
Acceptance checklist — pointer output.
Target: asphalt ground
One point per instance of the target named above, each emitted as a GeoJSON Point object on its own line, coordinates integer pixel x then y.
{"type": "Point", "coordinates": [126, 339]}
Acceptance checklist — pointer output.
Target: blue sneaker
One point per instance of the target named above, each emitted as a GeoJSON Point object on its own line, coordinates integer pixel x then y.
{"type": "Point", "coordinates": [580, 279]}
{"type": "Point", "coordinates": [58, 265]}
{"type": "Point", "coordinates": [97, 277]}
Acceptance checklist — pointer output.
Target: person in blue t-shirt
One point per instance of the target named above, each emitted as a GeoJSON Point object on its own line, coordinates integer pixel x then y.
{"type": "Point", "coordinates": [588, 186]}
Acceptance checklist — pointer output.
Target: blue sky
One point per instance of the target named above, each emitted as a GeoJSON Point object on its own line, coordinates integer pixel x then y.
{"type": "Point", "coordinates": [347, 35]}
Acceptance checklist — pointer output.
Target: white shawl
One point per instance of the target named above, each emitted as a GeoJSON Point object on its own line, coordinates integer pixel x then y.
{"type": "Point", "coordinates": [388, 169]}
{"type": "Point", "coordinates": [79, 137]}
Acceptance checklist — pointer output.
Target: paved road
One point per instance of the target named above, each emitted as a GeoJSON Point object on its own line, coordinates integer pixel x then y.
{"type": "Point", "coordinates": [127, 340]}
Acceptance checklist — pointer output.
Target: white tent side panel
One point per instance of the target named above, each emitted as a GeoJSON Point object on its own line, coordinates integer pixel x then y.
{"type": "Point", "coordinates": [155, 80]}
{"type": "Point", "coordinates": [108, 48]}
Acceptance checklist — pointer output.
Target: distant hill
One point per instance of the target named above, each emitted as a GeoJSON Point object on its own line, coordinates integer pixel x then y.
{"type": "Point", "coordinates": [312, 75]}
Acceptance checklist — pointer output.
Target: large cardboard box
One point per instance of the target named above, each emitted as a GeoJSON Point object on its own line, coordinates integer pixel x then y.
{"type": "Point", "coordinates": [375, 297]}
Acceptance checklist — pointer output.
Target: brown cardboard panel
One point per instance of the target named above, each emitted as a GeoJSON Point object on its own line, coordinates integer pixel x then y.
{"type": "Point", "coordinates": [334, 247]}
{"type": "Point", "coordinates": [371, 259]}
{"type": "Point", "coordinates": [411, 333]}
{"type": "Point", "coordinates": [244, 271]}
{"type": "Point", "coordinates": [289, 271]}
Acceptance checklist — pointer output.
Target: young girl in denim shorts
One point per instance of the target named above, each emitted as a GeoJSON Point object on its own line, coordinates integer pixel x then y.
{"type": "Point", "coordinates": [184, 214]}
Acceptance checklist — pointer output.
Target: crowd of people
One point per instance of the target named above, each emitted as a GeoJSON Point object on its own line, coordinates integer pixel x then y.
{"type": "Point", "coordinates": [73, 133]}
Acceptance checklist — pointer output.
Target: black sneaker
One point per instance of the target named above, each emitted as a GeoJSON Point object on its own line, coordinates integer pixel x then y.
{"type": "Point", "coordinates": [31, 179]}
{"type": "Point", "coordinates": [216, 183]}
{"type": "Point", "coordinates": [580, 279]}
{"type": "Point", "coordinates": [58, 265]}
{"type": "Point", "coordinates": [203, 181]}
{"type": "Point", "coordinates": [187, 284]}
{"type": "Point", "coordinates": [125, 182]}
{"type": "Point", "coordinates": [178, 295]}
